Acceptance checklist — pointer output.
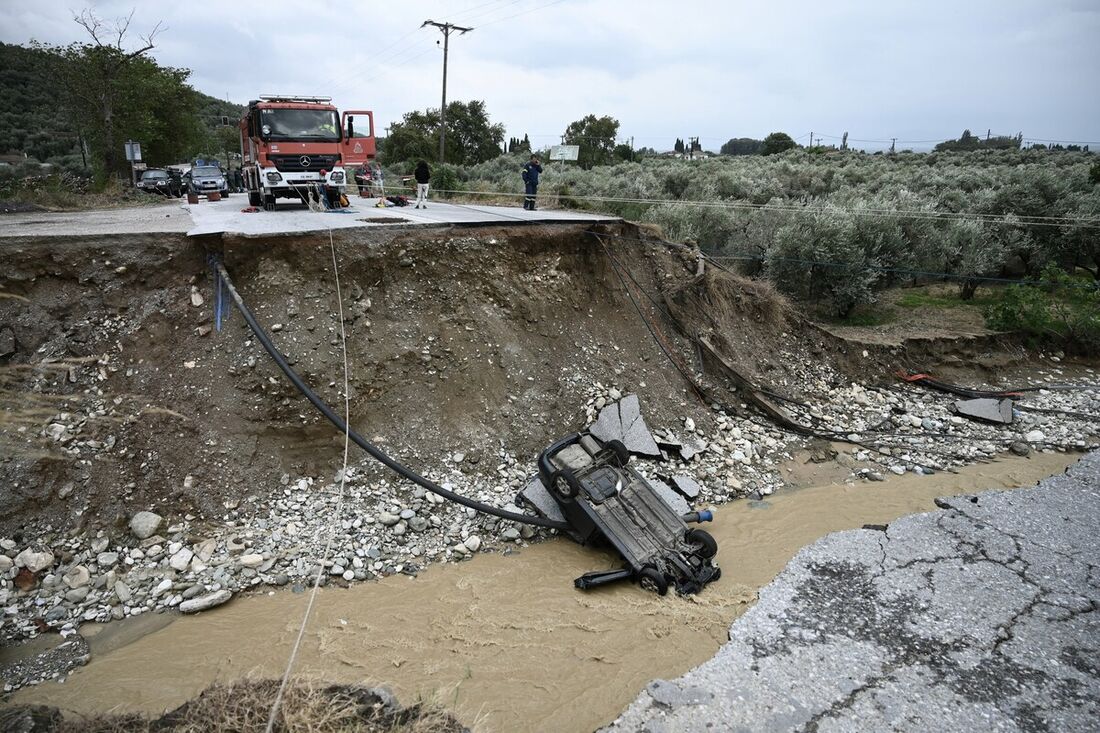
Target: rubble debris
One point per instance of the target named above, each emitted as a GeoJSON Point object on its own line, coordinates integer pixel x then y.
{"type": "Point", "coordinates": [674, 500]}
{"type": "Point", "coordinates": [986, 409]}
{"type": "Point", "coordinates": [623, 421]}
{"type": "Point", "coordinates": [686, 485]}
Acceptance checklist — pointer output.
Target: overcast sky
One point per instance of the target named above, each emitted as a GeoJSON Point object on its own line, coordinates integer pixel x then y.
{"type": "Point", "coordinates": [878, 69]}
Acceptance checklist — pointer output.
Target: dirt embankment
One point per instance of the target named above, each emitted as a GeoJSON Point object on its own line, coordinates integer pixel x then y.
{"type": "Point", "coordinates": [120, 394]}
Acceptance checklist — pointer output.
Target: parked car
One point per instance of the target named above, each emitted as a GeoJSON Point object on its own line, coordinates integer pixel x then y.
{"type": "Point", "coordinates": [155, 180]}
{"type": "Point", "coordinates": [206, 179]}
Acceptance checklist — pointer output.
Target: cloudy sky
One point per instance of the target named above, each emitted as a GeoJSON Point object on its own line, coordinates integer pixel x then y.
{"type": "Point", "coordinates": [917, 71]}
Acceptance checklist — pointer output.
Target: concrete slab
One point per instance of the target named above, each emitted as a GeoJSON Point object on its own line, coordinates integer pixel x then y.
{"type": "Point", "coordinates": [982, 616]}
{"type": "Point", "coordinates": [623, 421]}
{"type": "Point", "coordinates": [288, 218]}
{"type": "Point", "coordinates": [986, 410]}
{"type": "Point", "coordinates": [165, 217]}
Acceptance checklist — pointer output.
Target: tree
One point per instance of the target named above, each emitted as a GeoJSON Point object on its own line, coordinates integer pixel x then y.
{"type": "Point", "coordinates": [596, 138]}
{"type": "Point", "coordinates": [777, 142]}
{"type": "Point", "coordinates": [623, 152]}
{"type": "Point", "coordinates": [471, 138]}
{"type": "Point", "coordinates": [102, 82]}
{"type": "Point", "coordinates": [742, 146]}
{"type": "Point", "coordinates": [679, 146]}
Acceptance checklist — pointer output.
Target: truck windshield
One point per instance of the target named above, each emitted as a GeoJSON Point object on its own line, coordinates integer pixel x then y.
{"type": "Point", "coordinates": [299, 124]}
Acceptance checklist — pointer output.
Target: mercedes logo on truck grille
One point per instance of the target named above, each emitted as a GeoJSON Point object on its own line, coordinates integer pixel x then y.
{"type": "Point", "coordinates": [304, 161]}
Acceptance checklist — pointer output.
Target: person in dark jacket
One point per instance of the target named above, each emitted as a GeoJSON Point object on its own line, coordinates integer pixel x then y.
{"type": "Point", "coordinates": [422, 174]}
{"type": "Point", "coordinates": [530, 173]}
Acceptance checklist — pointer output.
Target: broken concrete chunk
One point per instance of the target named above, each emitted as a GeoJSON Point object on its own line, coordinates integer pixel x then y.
{"type": "Point", "coordinates": [674, 500]}
{"type": "Point", "coordinates": [986, 410]}
{"type": "Point", "coordinates": [623, 421]}
{"type": "Point", "coordinates": [538, 498]}
{"type": "Point", "coordinates": [687, 486]}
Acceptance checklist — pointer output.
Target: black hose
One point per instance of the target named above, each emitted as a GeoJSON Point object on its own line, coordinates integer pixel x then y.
{"type": "Point", "coordinates": [362, 442]}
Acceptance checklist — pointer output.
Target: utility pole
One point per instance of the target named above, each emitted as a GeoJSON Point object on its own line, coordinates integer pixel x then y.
{"type": "Point", "coordinates": [446, 29]}
{"type": "Point", "coordinates": [893, 141]}
{"type": "Point", "coordinates": [811, 138]}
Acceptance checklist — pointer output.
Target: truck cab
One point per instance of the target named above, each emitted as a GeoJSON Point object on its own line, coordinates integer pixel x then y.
{"type": "Point", "coordinates": [291, 144]}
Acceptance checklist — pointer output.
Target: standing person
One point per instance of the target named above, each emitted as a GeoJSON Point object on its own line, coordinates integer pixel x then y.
{"type": "Point", "coordinates": [422, 174]}
{"type": "Point", "coordinates": [530, 175]}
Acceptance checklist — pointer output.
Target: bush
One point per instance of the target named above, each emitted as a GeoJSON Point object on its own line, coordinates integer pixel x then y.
{"type": "Point", "coordinates": [1064, 312]}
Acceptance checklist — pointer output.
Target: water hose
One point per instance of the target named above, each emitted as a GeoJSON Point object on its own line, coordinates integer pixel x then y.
{"type": "Point", "coordinates": [359, 440]}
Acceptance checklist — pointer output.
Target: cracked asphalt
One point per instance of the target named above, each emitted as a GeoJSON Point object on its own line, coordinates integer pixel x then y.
{"type": "Point", "coordinates": [982, 615]}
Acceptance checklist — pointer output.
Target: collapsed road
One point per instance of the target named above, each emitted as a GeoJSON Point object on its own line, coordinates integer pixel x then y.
{"type": "Point", "coordinates": [157, 463]}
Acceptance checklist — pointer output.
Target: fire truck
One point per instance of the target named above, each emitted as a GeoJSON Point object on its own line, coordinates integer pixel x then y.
{"type": "Point", "coordinates": [290, 144]}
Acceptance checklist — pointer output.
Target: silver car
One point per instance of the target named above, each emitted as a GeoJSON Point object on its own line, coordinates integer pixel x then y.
{"type": "Point", "coordinates": [206, 179]}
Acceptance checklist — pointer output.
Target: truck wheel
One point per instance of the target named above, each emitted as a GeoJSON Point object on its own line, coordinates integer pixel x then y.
{"type": "Point", "coordinates": [565, 483]}
{"type": "Point", "coordinates": [269, 203]}
{"type": "Point", "coordinates": [622, 455]}
{"type": "Point", "coordinates": [254, 198]}
{"type": "Point", "coordinates": [650, 578]}
{"type": "Point", "coordinates": [708, 548]}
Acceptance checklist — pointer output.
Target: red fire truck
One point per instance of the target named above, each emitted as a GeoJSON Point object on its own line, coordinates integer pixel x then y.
{"type": "Point", "coordinates": [287, 141]}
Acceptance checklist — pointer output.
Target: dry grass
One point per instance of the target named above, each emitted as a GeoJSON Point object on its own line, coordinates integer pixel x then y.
{"type": "Point", "coordinates": [243, 707]}
{"type": "Point", "coordinates": [728, 300]}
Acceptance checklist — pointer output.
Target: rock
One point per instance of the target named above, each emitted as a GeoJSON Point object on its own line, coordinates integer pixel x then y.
{"type": "Point", "coordinates": [57, 613]}
{"type": "Point", "coordinates": [34, 561]}
{"type": "Point", "coordinates": [25, 580]}
{"type": "Point", "coordinates": [203, 603]}
{"type": "Point", "coordinates": [76, 595]}
{"type": "Point", "coordinates": [106, 560]}
{"type": "Point", "coordinates": [1035, 436]}
{"type": "Point", "coordinates": [77, 576]}
{"type": "Point", "coordinates": [458, 457]}
{"type": "Point", "coordinates": [418, 524]}
{"type": "Point", "coordinates": [874, 476]}
{"type": "Point", "coordinates": [181, 559]}
{"type": "Point", "coordinates": [145, 524]}
{"type": "Point", "coordinates": [407, 514]}
{"type": "Point", "coordinates": [388, 519]}
{"type": "Point", "coordinates": [196, 297]}
{"type": "Point", "coordinates": [1020, 448]}
{"type": "Point", "coordinates": [252, 560]}
{"type": "Point", "coordinates": [614, 394]}
{"type": "Point", "coordinates": [122, 591]}
{"type": "Point", "coordinates": [899, 470]}
{"type": "Point", "coordinates": [205, 550]}
{"type": "Point", "coordinates": [687, 486]}
{"type": "Point", "coordinates": [674, 500]}
{"type": "Point", "coordinates": [510, 534]}
{"type": "Point", "coordinates": [472, 543]}
{"type": "Point", "coordinates": [6, 564]}
{"type": "Point", "coordinates": [689, 424]}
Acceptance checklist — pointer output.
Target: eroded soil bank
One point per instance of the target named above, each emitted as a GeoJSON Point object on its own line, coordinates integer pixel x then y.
{"type": "Point", "coordinates": [505, 640]}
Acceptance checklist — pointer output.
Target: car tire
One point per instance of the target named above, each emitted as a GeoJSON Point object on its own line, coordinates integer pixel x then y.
{"type": "Point", "coordinates": [565, 483]}
{"type": "Point", "coordinates": [650, 578]}
{"type": "Point", "coordinates": [269, 203]}
{"type": "Point", "coordinates": [254, 198]}
{"type": "Point", "coordinates": [622, 455]}
{"type": "Point", "coordinates": [708, 547]}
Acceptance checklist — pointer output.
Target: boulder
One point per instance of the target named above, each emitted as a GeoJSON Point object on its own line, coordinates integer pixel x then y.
{"type": "Point", "coordinates": [145, 524]}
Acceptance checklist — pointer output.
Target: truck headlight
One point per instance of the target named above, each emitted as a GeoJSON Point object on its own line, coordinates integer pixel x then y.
{"type": "Point", "coordinates": [337, 177]}
{"type": "Point", "coordinates": [273, 177]}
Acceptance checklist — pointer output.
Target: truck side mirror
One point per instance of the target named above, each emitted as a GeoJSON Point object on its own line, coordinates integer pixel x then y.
{"type": "Point", "coordinates": [351, 127]}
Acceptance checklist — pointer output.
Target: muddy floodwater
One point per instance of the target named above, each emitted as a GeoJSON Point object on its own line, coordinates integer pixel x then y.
{"type": "Point", "coordinates": [504, 641]}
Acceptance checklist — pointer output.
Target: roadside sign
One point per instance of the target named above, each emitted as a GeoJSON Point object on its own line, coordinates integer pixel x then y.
{"type": "Point", "coordinates": [133, 150]}
{"type": "Point", "coordinates": [565, 152]}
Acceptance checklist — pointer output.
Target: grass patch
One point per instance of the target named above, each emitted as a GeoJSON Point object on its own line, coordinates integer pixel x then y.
{"type": "Point", "coordinates": [926, 299]}
{"type": "Point", "coordinates": [243, 707]}
{"type": "Point", "coordinates": [866, 318]}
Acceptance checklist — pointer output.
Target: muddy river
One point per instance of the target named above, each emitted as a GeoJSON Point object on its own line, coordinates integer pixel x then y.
{"type": "Point", "coordinates": [504, 641]}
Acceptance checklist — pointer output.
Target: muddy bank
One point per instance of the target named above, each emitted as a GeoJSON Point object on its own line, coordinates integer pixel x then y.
{"type": "Point", "coordinates": [506, 639]}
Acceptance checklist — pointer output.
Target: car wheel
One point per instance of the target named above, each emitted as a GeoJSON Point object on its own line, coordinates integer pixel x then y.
{"type": "Point", "coordinates": [254, 198]}
{"type": "Point", "coordinates": [565, 483]}
{"type": "Point", "coordinates": [622, 455]}
{"type": "Point", "coordinates": [650, 578]}
{"type": "Point", "coordinates": [708, 547]}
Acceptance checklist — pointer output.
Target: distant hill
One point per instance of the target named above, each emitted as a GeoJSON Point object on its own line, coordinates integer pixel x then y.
{"type": "Point", "coordinates": [31, 123]}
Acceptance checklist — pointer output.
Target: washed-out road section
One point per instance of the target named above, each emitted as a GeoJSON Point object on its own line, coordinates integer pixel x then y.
{"type": "Point", "coordinates": [981, 616]}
